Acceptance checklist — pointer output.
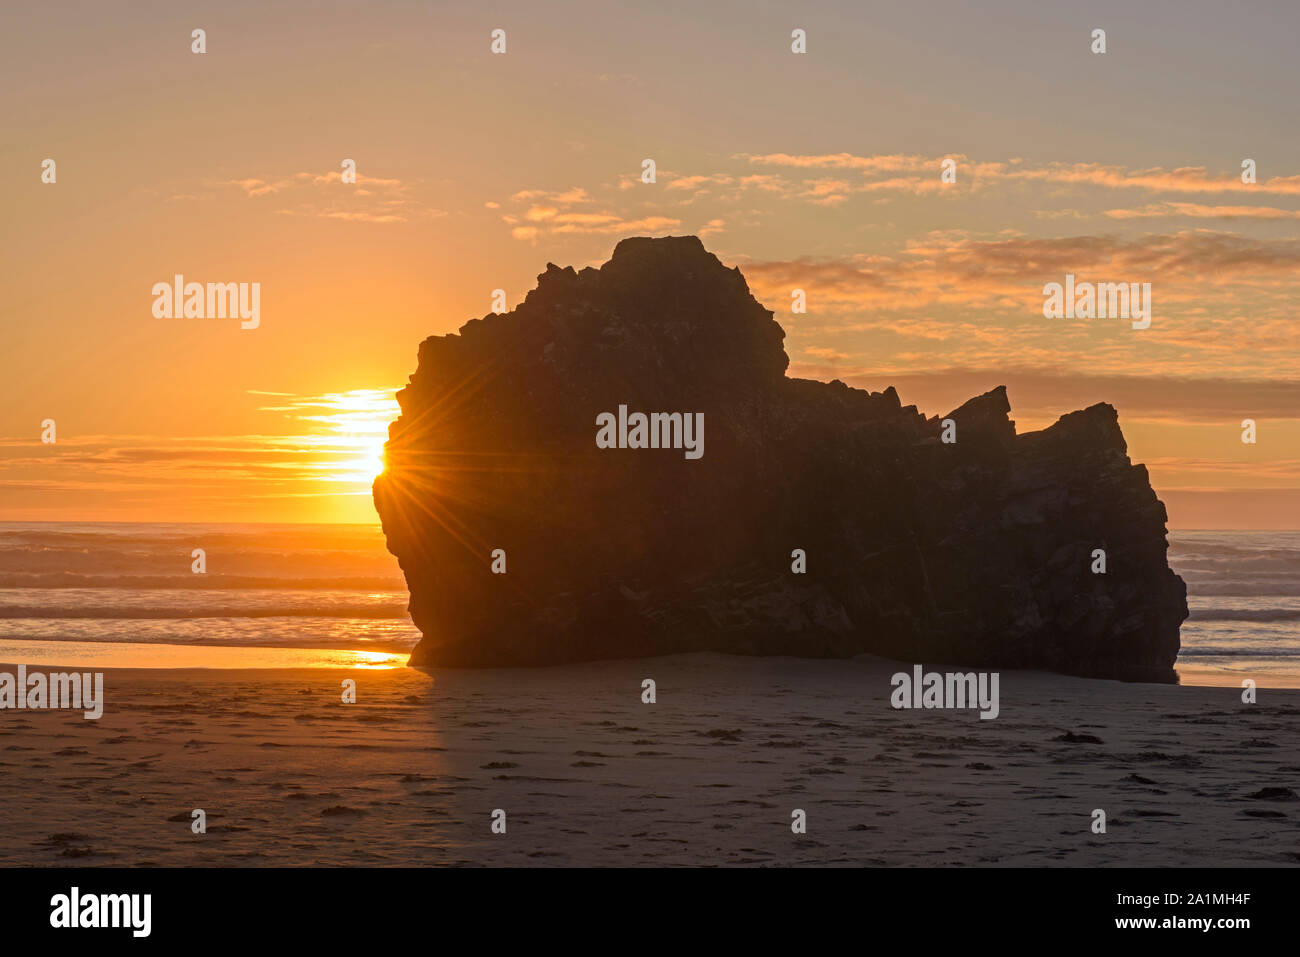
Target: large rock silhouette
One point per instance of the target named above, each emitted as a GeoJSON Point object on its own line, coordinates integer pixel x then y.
{"type": "Point", "coordinates": [978, 553]}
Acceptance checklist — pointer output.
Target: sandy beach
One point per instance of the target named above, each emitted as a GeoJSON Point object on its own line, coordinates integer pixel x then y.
{"type": "Point", "coordinates": [589, 775]}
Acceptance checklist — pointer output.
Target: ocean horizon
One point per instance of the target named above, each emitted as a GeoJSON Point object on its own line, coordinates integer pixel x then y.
{"type": "Point", "coordinates": [125, 595]}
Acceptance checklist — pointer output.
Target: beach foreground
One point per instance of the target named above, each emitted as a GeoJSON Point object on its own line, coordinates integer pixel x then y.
{"type": "Point", "coordinates": [587, 774]}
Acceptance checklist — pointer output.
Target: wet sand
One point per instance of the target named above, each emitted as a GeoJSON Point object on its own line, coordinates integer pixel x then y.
{"type": "Point", "coordinates": [589, 775]}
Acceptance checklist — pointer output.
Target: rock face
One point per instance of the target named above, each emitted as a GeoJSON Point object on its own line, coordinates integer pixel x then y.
{"type": "Point", "coordinates": [975, 553]}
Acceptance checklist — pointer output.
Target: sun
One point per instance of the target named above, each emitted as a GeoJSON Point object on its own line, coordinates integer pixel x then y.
{"type": "Point", "coordinates": [337, 445]}
{"type": "Point", "coordinates": [374, 460]}
{"type": "Point", "coordinates": [345, 434]}
{"type": "Point", "coordinates": [362, 434]}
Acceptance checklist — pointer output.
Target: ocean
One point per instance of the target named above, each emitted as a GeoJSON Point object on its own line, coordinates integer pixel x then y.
{"type": "Point", "coordinates": [1243, 593]}
{"type": "Point", "coordinates": [125, 595]}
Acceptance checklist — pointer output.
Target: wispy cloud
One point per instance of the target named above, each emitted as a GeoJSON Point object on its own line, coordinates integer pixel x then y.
{"type": "Point", "coordinates": [1223, 303]}
{"type": "Point", "coordinates": [953, 267]}
{"type": "Point", "coordinates": [537, 213]}
{"type": "Point", "coordinates": [919, 170]}
{"type": "Point", "coordinates": [372, 199]}
{"type": "Point", "coordinates": [1202, 211]}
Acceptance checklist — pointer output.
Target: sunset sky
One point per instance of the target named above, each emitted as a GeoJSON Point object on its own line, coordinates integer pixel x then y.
{"type": "Point", "coordinates": [818, 171]}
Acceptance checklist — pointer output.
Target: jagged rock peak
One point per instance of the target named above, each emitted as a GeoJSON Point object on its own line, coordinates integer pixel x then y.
{"type": "Point", "coordinates": [924, 541]}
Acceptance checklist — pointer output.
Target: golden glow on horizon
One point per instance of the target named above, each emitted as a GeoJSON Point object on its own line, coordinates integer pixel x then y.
{"type": "Point", "coordinates": [371, 660]}
{"type": "Point", "coordinates": [108, 654]}
{"type": "Point", "coordinates": [352, 424]}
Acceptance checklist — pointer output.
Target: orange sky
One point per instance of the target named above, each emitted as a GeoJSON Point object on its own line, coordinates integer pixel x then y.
{"type": "Point", "coordinates": [818, 171]}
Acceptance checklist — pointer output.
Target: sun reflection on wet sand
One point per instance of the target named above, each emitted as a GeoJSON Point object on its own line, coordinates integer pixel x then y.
{"type": "Point", "coordinates": [102, 654]}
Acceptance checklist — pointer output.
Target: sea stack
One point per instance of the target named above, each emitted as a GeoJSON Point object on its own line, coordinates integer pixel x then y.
{"type": "Point", "coordinates": [526, 541]}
